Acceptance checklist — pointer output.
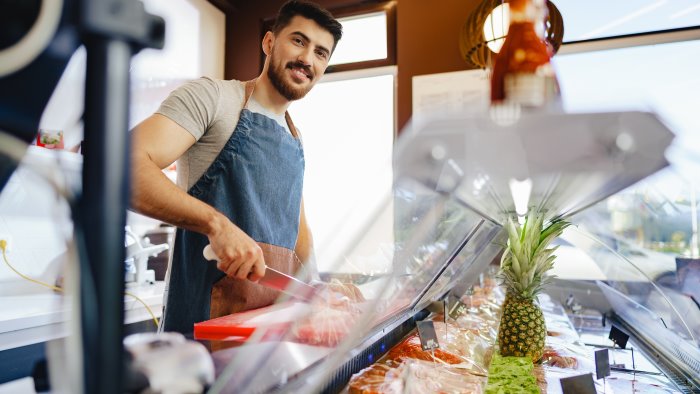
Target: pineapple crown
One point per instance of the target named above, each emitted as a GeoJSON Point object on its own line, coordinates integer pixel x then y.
{"type": "Point", "coordinates": [527, 259]}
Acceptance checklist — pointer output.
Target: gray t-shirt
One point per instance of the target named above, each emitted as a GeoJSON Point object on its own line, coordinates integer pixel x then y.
{"type": "Point", "coordinates": [208, 109]}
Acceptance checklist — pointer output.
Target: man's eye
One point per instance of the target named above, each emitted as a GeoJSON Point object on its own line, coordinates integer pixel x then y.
{"type": "Point", "coordinates": [298, 41]}
{"type": "Point", "coordinates": [322, 54]}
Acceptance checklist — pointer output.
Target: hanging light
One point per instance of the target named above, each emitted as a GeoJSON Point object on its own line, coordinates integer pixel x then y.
{"type": "Point", "coordinates": [486, 28]}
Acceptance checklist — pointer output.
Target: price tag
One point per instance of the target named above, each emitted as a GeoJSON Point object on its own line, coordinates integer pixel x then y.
{"type": "Point", "coordinates": [581, 384]}
{"type": "Point", "coordinates": [427, 334]}
{"type": "Point", "coordinates": [458, 309]}
{"type": "Point", "coordinates": [602, 364]}
{"type": "Point", "coordinates": [618, 337]}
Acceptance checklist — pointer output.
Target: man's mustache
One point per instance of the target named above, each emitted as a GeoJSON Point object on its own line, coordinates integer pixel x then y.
{"type": "Point", "coordinates": [305, 67]}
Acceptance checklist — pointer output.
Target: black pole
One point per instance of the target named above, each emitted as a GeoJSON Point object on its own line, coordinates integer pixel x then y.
{"type": "Point", "coordinates": [112, 31]}
{"type": "Point", "coordinates": [103, 207]}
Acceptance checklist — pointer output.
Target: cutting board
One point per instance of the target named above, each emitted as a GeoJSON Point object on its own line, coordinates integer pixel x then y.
{"type": "Point", "coordinates": [274, 319]}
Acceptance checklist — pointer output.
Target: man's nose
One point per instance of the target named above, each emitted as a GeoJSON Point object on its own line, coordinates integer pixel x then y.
{"type": "Point", "coordinates": [306, 57]}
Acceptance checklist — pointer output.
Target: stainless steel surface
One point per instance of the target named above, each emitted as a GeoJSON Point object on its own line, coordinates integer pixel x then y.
{"type": "Point", "coordinates": [287, 284]}
{"type": "Point", "coordinates": [277, 280]}
{"type": "Point", "coordinates": [282, 361]}
{"type": "Point", "coordinates": [569, 161]}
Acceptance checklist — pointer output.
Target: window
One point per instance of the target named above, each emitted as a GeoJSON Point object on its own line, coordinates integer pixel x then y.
{"type": "Point", "coordinates": [656, 215]}
{"type": "Point", "coordinates": [369, 37]}
{"type": "Point", "coordinates": [347, 124]}
{"type": "Point", "coordinates": [364, 38]}
{"type": "Point", "coordinates": [594, 19]}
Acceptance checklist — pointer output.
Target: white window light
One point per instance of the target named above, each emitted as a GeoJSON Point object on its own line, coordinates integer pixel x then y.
{"type": "Point", "coordinates": [364, 38]}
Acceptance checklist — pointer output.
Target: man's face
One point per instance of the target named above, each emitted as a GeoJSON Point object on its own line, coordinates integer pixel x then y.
{"type": "Point", "coordinates": [299, 57]}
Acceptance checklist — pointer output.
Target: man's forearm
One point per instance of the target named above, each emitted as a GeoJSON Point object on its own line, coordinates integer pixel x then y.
{"type": "Point", "coordinates": [156, 196]}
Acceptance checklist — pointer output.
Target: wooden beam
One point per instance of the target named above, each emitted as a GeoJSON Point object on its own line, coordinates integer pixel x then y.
{"type": "Point", "coordinates": [226, 6]}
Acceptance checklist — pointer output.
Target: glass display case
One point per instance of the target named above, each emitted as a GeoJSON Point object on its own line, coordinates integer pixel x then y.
{"type": "Point", "coordinates": [455, 182]}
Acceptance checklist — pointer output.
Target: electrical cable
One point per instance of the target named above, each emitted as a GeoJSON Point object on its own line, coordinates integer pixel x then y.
{"type": "Point", "coordinates": [153, 315]}
{"type": "Point", "coordinates": [3, 247]}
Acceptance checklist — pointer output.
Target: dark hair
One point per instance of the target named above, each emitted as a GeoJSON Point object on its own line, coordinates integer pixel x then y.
{"type": "Point", "coordinates": [311, 11]}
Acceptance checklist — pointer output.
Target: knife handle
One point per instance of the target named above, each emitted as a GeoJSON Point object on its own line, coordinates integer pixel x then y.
{"type": "Point", "coordinates": [209, 254]}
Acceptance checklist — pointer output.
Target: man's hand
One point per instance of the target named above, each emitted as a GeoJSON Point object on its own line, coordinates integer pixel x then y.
{"type": "Point", "coordinates": [239, 256]}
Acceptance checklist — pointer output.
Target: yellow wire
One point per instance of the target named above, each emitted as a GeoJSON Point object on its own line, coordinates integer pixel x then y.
{"type": "Point", "coordinates": [153, 315]}
{"type": "Point", "coordinates": [3, 246]}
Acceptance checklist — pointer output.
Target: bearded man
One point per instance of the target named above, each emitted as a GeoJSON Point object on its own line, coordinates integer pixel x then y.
{"type": "Point", "coordinates": [240, 168]}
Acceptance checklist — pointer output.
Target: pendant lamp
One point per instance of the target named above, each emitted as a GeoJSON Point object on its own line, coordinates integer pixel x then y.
{"type": "Point", "coordinates": [487, 26]}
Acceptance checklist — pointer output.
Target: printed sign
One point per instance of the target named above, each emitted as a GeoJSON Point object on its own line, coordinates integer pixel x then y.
{"type": "Point", "coordinates": [427, 334]}
{"type": "Point", "coordinates": [581, 384]}
{"type": "Point", "coordinates": [618, 337]}
{"type": "Point", "coordinates": [602, 364]}
{"type": "Point", "coordinates": [458, 309]}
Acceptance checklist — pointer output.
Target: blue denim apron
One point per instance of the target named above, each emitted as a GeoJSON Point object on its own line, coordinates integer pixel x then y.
{"type": "Point", "coordinates": [256, 181]}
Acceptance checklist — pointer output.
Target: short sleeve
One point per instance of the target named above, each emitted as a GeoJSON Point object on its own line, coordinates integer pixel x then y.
{"type": "Point", "coordinates": [193, 105]}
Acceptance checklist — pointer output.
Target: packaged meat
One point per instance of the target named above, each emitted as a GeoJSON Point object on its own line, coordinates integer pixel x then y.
{"type": "Point", "coordinates": [410, 376]}
{"type": "Point", "coordinates": [469, 346]}
{"type": "Point", "coordinates": [333, 315]}
{"type": "Point", "coordinates": [375, 379]}
{"type": "Point", "coordinates": [429, 377]}
{"type": "Point", "coordinates": [325, 325]}
{"type": "Point", "coordinates": [411, 348]}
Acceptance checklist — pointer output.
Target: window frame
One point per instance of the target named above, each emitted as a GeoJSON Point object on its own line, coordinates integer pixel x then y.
{"type": "Point", "coordinates": [388, 7]}
{"type": "Point", "coordinates": [631, 40]}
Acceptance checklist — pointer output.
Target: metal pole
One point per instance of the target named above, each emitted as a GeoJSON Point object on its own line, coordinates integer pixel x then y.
{"type": "Point", "coordinates": [103, 207]}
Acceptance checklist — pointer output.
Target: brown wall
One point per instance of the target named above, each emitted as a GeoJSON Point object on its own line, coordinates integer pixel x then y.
{"type": "Point", "coordinates": [427, 40]}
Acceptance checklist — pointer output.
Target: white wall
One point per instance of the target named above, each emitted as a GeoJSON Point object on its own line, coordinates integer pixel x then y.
{"type": "Point", "coordinates": [35, 219]}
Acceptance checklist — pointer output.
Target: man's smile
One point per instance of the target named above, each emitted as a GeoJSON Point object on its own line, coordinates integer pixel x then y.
{"type": "Point", "coordinates": [300, 71]}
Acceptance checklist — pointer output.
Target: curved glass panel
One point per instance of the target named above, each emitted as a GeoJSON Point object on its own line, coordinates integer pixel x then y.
{"type": "Point", "coordinates": [393, 262]}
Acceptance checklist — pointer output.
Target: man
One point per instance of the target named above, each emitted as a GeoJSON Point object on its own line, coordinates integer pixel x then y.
{"type": "Point", "coordinates": [240, 173]}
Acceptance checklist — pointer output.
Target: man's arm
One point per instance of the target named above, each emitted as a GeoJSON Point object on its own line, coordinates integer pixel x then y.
{"type": "Point", "coordinates": [156, 143]}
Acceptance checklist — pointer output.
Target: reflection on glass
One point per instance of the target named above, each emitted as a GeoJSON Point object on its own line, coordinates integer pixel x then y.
{"type": "Point", "coordinates": [636, 284]}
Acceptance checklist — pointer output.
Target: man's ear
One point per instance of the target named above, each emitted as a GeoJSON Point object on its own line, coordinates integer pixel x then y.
{"type": "Point", "coordinates": [267, 42]}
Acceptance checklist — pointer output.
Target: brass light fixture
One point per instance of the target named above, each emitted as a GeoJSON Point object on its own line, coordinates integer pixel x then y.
{"type": "Point", "coordinates": [490, 17]}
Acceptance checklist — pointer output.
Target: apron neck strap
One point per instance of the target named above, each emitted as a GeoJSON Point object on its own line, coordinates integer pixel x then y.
{"type": "Point", "coordinates": [249, 87]}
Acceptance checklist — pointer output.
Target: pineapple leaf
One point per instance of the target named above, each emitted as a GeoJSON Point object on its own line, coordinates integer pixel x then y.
{"type": "Point", "coordinates": [527, 257]}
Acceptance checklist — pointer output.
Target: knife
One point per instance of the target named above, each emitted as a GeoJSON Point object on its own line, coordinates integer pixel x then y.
{"type": "Point", "coordinates": [277, 280]}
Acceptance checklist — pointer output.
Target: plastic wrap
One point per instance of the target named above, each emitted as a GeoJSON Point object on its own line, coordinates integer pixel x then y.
{"type": "Point", "coordinates": [427, 377]}
{"type": "Point", "coordinates": [409, 376]}
{"type": "Point", "coordinates": [332, 315]}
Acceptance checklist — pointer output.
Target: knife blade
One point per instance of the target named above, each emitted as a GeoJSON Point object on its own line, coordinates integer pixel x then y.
{"type": "Point", "coordinates": [276, 280]}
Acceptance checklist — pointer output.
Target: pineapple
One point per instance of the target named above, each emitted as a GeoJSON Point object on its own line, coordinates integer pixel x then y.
{"type": "Point", "coordinates": [524, 265]}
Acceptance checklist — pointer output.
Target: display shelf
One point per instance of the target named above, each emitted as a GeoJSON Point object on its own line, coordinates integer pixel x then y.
{"type": "Point", "coordinates": [568, 161]}
{"type": "Point", "coordinates": [455, 182]}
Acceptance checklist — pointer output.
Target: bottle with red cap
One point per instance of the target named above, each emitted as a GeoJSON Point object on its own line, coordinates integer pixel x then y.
{"type": "Point", "coordinates": [522, 72]}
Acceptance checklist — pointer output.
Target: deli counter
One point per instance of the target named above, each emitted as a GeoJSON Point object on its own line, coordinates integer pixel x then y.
{"type": "Point", "coordinates": [432, 252]}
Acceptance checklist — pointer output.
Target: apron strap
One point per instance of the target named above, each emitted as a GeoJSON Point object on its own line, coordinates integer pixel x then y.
{"type": "Point", "coordinates": [292, 128]}
{"type": "Point", "coordinates": [249, 87]}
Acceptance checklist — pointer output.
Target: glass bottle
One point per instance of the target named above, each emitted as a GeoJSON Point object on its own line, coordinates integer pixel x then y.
{"type": "Point", "coordinates": [522, 73]}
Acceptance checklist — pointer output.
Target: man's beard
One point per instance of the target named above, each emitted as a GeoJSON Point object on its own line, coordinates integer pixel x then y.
{"type": "Point", "coordinates": [276, 74]}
